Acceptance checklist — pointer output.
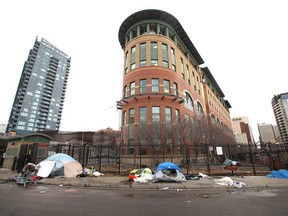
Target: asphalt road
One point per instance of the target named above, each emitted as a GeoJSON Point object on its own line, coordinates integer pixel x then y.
{"type": "Point", "coordinates": [42, 200]}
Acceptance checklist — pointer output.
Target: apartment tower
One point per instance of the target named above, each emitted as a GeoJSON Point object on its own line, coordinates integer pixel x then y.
{"type": "Point", "coordinates": [268, 133]}
{"type": "Point", "coordinates": [165, 90]}
{"type": "Point", "coordinates": [242, 130]}
{"type": "Point", "coordinates": [39, 98]}
{"type": "Point", "coordinates": [280, 108]}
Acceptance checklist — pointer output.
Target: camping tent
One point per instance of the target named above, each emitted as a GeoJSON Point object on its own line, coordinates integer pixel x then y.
{"type": "Point", "coordinates": [59, 165]}
{"type": "Point", "coordinates": [168, 171]}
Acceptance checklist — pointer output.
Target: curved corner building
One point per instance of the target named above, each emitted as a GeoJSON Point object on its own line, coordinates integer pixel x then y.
{"type": "Point", "coordinates": [163, 86]}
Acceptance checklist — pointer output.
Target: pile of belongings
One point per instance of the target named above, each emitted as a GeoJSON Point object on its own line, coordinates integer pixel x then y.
{"type": "Point", "coordinates": [169, 172]}
{"type": "Point", "coordinates": [140, 175]}
{"type": "Point", "coordinates": [192, 177]}
{"type": "Point", "coordinates": [91, 172]}
{"type": "Point", "coordinates": [230, 165]}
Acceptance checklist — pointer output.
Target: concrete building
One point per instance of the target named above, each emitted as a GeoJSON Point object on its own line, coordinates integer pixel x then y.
{"type": "Point", "coordinates": [40, 95]}
{"type": "Point", "coordinates": [165, 87]}
{"type": "Point", "coordinates": [2, 128]}
{"type": "Point", "coordinates": [242, 130]}
{"type": "Point", "coordinates": [280, 108]}
{"type": "Point", "coordinates": [268, 133]}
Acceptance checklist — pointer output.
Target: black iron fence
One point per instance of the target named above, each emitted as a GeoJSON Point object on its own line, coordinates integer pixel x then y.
{"type": "Point", "coordinates": [252, 159]}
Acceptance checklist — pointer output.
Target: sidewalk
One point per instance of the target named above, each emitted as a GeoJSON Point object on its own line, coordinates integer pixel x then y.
{"type": "Point", "coordinates": [121, 182]}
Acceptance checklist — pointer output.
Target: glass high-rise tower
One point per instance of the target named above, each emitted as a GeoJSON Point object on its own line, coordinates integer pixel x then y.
{"type": "Point", "coordinates": [280, 108]}
{"type": "Point", "coordinates": [40, 95]}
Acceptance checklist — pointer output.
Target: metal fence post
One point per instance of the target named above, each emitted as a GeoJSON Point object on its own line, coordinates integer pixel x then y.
{"type": "Point", "coordinates": [229, 153]}
{"type": "Point", "coordinates": [119, 157]}
{"type": "Point", "coordinates": [208, 159]}
{"type": "Point", "coordinates": [100, 155]}
{"type": "Point", "coordinates": [251, 159]}
{"type": "Point", "coordinates": [271, 156]}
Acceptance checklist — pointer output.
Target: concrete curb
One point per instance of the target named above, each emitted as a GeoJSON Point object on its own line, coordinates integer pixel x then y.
{"type": "Point", "coordinates": [121, 182]}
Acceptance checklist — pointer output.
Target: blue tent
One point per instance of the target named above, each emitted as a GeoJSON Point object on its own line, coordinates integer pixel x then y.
{"type": "Point", "coordinates": [168, 165]}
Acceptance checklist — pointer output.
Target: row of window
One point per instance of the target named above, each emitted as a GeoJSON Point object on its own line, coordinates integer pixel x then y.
{"type": "Point", "coordinates": [155, 115]}
{"type": "Point", "coordinates": [153, 56]}
{"type": "Point", "coordinates": [165, 61]}
{"type": "Point", "coordinates": [150, 28]}
{"type": "Point", "coordinates": [156, 118]}
{"type": "Point", "coordinates": [155, 87]}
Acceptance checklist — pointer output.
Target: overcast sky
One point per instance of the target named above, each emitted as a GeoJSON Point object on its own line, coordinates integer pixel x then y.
{"type": "Point", "coordinates": [244, 44]}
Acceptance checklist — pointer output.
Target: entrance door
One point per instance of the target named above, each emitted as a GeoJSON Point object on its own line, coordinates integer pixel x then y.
{"type": "Point", "coordinates": [22, 157]}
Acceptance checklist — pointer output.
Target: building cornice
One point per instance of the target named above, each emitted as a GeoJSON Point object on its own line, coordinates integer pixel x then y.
{"type": "Point", "coordinates": [165, 17]}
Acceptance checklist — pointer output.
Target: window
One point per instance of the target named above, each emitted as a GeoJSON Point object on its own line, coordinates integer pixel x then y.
{"type": "Point", "coordinates": [182, 69]}
{"type": "Point", "coordinates": [124, 119]}
{"type": "Point", "coordinates": [168, 115]}
{"type": "Point", "coordinates": [125, 91]}
{"type": "Point", "coordinates": [154, 53]}
{"type": "Point", "coordinates": [153, 28]}
{"type": "Point", "coordinates": [165, 62]}
{"type": "Point", "coordinates": [126, 62]}
{"type": "Point", "coordinates": [173, 59]}
{"type": "Point", "coordinates": [179, 130]}
{"type": "Point", "coordinates": [213, 119]}
{"type": "Point", "coordinates": [189, 101]}
{"type": "Point", "coordinates": [133, 66]}
{"type": "Point", "coordinates": [142, 62]}
{"type": "Point", "coordinates": [131, 116]}
{"type": "Point", "coordinates": [199, 108]}
{"type": "Point", "coordinates": [132, 88]}
{"type": "Point", "coordinates": [166, 86]}
{"type": "Point", "coordinates": [188, 74]}
{"type": "Point", "coordinates": [175, 89]}
{"type": "Point", "coordinates": [142, 130]}
{"type": "Point", "coordinates": [163, 30]}
{"type": "Point", "coordinates": [156, 114]}
{"type": "Point", "coordinates": [169, 130]}
{"type": "Point", "coordinates": [143, 115]}
{"type": "Point", "coordinates": [41, 152]}
{"type": "Point", "coordinates": [143, 85]}
{"type": "Point", "coordinates": [198, 84]}
{"type": "Point", "coordinates": [133, 57]}
{"type": "Point", "coordinates": [194, 81]}
{"type": "Point", "coordinates": [155, 85]}
{"type": "Point", "coordinates": [143, 29]}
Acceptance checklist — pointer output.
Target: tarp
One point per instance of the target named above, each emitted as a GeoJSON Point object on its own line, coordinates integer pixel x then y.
{"type": "Point", "coordinates": [278, 174]}
{"type": "Point", "coordinates": [59, 165]}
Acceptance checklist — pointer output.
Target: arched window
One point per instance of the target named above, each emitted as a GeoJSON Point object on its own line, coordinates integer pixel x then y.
{"type": "Point", "coordinates": [199, 108]}
{"type": "Point", "coordinates": [213, 119]}
{"type": "Point", "coordinates": [189, 101]}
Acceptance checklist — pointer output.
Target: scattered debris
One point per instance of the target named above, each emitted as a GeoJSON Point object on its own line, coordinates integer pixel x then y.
{"type": "Point", "coordinates": [227, 181]}
{"type": "Point", "coordinates": [165, 188]}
